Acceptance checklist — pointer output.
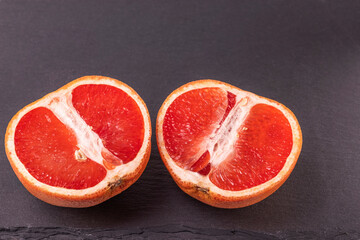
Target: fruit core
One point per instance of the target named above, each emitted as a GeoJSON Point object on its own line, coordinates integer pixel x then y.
{"type": "Point", "coordinates": [237, 144]}
{"type": "Point", "coordinates": [72, 140]}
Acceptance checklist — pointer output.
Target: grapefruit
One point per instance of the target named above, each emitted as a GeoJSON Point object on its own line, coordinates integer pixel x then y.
{"type": "Point", "coordinates": [82, 144]}
{"type": "Point", "coordinates": [226, 147]}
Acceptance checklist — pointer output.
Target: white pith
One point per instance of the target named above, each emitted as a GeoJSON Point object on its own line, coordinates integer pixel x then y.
{"type": "Point", "coordinates": [89, 142]}
{"type": "Point", "coordinates": [87, 139]}
{"type": "Point", "coordinates": [244, 102]}
{"type": "Point", "coordinates": [225, 136]}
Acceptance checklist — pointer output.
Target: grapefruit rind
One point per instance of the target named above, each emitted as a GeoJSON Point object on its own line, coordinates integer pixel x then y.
{"type": "Point", "coordinates": [199, 186]}
{"type": "Point", "coordinates": [116, 179]}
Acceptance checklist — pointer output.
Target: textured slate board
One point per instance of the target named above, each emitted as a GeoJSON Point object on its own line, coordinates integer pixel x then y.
{"type": "Point", "coordinates": [305, 54]}
{"type": "Point", "coordinates": [166, 231]}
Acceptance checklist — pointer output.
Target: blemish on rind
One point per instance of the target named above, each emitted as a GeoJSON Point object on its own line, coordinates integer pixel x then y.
{"type": "Point", "coordinates": [202, 189]}
{"type": "Point", "coordinates": [115, 184]}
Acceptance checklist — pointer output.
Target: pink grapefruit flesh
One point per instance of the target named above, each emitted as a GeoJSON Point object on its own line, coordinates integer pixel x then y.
{"type": "Point", "coordinates": [48, 148]}
{"type": "Point", "coordinates": [259, 152]}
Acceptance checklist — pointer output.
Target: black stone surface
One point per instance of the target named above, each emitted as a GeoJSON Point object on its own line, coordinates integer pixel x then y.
{"type": "Point", "coordinates": [304, 54]}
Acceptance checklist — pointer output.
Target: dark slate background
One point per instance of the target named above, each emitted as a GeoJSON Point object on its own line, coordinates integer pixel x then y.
{"type": "Point", "coordinates": [304, 54]}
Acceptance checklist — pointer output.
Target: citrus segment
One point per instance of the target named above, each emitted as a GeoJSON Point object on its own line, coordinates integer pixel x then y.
{"type": "Point", "coordinates": [202, 162]}
{"type": "Point", "coordinates": [260, 152]}
{"type": "Point", "coordinates": [189, 121]}
{"type": "Point", "coordinates": [48, 150]}
{"type": "Point", "coordinates": [231, 100]}
{"type": "Point", "coordinates": [114, 116]}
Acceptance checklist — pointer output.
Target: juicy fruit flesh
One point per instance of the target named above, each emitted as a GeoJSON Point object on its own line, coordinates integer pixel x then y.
{"type": "Point", "coordinates": [50, 150]}
{"type": "Point", "coordinates": [257, 153]}
{"type": "Point", "coordinates": [260, 152]}
{"type": "Point", "coordinates": [190, 120]}
{"type": "Point", "coordinates": [118, 122]}
{"type": "Point", "coordinates": [46, 147]}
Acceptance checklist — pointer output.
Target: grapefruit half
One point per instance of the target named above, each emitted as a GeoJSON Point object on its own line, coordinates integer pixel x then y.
{"type": "Point", "coordinates": [82, 144]}
{"type": "Point", "coordinates": [226, 147]}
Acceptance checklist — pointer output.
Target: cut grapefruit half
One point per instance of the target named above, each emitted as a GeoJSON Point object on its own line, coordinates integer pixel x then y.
{"type": "Point", "coordinates": [224, 146]}
{"type": "Point", "coordinates": [82, 144]}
